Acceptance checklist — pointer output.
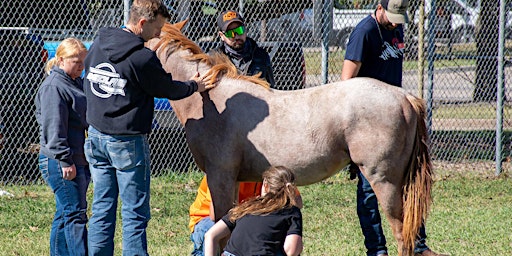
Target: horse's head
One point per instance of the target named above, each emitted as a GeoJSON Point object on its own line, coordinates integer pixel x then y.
{"type": "Point", "coordinates": [179, 55]}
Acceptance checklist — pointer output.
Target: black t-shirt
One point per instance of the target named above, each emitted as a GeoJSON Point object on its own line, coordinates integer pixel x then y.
{"type": "Point", "coordinates": [263, 234]}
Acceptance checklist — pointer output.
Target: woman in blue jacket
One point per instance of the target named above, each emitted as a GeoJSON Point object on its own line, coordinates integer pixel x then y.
{"type": "Point", "coordinates": [60, 112]}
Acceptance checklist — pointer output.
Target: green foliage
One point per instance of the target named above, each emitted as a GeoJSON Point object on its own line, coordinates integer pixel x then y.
{"type": "Point", "coordinates": [470, 215]}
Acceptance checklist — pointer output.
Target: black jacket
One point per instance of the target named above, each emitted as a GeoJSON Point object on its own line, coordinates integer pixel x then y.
{"type": "Point", "coordinates": [122, 78]}
{"type": "Point", "coordinates": [256, 61]}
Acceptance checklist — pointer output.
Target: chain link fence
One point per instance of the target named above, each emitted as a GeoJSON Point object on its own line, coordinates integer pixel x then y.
{"type": "Point", "coordinates": [451, 60]}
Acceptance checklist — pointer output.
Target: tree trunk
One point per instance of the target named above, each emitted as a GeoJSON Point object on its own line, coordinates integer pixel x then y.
{"type": "Point", "coordinates": [487, 36]}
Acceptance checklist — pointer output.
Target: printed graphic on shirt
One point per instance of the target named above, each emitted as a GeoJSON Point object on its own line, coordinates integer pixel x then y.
{"type": "Point", "coordinates": [105, 82]}
{"type": "Point", "coordinates": [392, 51]}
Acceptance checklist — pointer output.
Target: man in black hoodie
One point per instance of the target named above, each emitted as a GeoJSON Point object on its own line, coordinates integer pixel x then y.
{"type": "Point", "coordinates": [122, 78]}
{"type": "Point", "coordinates": [244, 53]}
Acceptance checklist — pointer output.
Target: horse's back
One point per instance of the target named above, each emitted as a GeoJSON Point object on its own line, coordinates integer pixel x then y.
{"type": "Point", "coordinates": [317, 130]}
{"type": "Point", "coordinates": [346, 103]}
{"type": "Point", "coordinates": [366, 99]}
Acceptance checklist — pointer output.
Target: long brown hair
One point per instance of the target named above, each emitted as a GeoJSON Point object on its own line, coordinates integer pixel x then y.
{"type": "Point", "coordinates": [282, 193]}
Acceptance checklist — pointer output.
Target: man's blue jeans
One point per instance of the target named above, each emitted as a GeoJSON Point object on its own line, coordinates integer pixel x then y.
{"type": "Point", "coordinates": [120, 166]}
{"type": "Point", "coordinates": [197, 237]}
{"type": "Point", "coordinates": [68, 235]}
{"type": "Point", "coordinates": [369, 218]}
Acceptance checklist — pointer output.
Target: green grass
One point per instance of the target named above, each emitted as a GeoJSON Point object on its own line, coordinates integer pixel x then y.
{"type": "Point", "coordinates": [469, 145]}
{"type": "Point", "coordinates": [461, 56]}
{"type": "Point", "coordinates": [470, 216]}
{"type": "Point", "coordinates": [470, 111]}
{"type": "Point", "coordinates": [454, 64]}
{"type": "Point", "coordinates": [313, 60]}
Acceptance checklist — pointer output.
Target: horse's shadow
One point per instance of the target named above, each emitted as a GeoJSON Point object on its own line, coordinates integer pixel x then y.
{"type": "Point", "coordinates": [224, 133]}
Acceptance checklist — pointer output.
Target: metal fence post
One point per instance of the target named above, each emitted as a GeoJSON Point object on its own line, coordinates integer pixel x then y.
{"type": "Point", "coordinates": [421, 49]}
{"type": "Point", "coordinates": [126, 12]}
{"type": "Point", "coordinates": [326, 32]}
{"type": "Point", "coordinates": [501, 90]}
{"type": "Point", "coordinates": [431, 59]}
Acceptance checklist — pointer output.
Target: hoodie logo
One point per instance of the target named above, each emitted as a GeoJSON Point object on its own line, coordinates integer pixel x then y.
{"type": "Point", "coordinates": [105, 82]}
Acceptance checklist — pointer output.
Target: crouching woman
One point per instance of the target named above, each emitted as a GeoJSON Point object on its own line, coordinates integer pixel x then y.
{"type": "Point", "coordinates": [267, 225]}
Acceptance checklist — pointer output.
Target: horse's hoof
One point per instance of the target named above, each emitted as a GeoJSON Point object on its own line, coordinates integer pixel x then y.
{"type": "Point", "coordinates": [429, 252]}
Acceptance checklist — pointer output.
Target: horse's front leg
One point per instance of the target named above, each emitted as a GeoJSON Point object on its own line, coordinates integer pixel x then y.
{"type": "Point", "coordinates": [222, 185]}
{"type": "Point", "coordinates": [223, 188]}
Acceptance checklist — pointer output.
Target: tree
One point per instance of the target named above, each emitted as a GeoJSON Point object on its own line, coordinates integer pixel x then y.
{"type": "Point", "coordinates": [487, 38]}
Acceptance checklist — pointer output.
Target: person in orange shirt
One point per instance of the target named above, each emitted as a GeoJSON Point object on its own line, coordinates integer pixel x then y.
{"type": "Point", "coordinates": [201, 211]}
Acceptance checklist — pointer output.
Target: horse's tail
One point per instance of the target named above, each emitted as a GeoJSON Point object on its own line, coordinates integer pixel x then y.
{"type": "Point", "coordinates": [417, 188]}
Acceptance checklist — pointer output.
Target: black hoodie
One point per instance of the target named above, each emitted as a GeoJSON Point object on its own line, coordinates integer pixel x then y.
{"type": "Point", "coordinates": [122, 78]}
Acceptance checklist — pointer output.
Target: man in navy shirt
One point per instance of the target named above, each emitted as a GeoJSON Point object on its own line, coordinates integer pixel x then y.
{"type": "Point", "coordinates": [376, 49]}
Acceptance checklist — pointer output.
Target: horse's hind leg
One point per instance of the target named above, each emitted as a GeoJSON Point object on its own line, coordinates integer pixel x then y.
{"type": "Point", "coordinates": [389, 196]}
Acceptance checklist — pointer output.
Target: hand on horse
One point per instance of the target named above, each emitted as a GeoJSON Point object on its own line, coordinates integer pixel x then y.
{"type": "Point", "coordinates": [205, 81]}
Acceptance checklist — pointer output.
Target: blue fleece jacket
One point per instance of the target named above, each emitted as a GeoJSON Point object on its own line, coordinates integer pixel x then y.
{"type": "Point", "coordinates": [60, 112]}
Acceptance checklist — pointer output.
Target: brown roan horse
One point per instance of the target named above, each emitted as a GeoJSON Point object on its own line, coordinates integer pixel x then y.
{"type": "Point", "coordinates": [238, 129]}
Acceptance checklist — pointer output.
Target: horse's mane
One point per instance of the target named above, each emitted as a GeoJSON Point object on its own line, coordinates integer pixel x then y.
{"type": "Point", "coordinates": [220, 63]}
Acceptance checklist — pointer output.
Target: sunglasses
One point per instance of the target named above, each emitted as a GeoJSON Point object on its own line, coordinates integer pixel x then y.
{"type": "Point", "coordinates": [231, 33]}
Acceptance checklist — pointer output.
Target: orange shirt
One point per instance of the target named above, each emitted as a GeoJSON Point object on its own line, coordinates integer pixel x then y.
{"type": "Point", "coordinates": [200, 208]}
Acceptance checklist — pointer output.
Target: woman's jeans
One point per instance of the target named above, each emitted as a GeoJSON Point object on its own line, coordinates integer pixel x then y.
{"type": "Point", "coordinates": [68, 235]}
{"type": "Point", "coordinates": [119, 167]}
{"type": "Point", "coordinates": [369, 218]}
{"type": "Point", "coordinates": [197, 237]}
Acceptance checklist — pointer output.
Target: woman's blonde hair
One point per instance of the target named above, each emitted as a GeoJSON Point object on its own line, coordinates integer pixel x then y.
{"type": "Point", "coordinates": [282, 193]}
{"type": "Point", "coordinates": [69, 47]}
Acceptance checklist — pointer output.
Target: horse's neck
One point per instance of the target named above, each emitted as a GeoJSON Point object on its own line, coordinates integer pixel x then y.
{"type": "Point", "coordinates": [188, 108]}
{"type": "Point", "coordinates": [182, 70]}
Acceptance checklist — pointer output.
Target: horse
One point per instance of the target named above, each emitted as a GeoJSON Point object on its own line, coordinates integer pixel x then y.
{"type": "Point", "coordinates": [241, 127]}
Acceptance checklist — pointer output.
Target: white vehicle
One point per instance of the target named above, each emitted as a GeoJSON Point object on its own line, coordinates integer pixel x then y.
{"type": "Point", "coordinates": [345, 20]}
{"type": "Point", "coordinates": [461, 17]}
{"type": "Point", "coordinates": [455, 20]}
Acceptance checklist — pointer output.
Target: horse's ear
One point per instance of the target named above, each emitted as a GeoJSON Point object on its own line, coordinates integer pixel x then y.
{"type": "Point", "coordinates": [181, 24]}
